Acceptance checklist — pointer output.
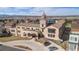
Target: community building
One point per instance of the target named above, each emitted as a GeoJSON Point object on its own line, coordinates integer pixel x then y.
{"type": "Point", "coordinates": [47, 28]}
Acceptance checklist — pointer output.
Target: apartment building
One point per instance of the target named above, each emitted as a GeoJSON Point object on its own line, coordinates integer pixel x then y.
{"type": "Point", "coordinates": [49, 28]}
{"type": "Point", "coordinates": [53, 31]}
{"type": "Point", "coordinates": [74, 37]}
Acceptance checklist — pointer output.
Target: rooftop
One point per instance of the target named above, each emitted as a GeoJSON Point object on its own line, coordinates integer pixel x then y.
{"type": "Point", "coordinates": [59, 23]}
{"type": "Point", "coordinates": [75, 26]}
{"type": "Point", "coordinates": [29, 24]}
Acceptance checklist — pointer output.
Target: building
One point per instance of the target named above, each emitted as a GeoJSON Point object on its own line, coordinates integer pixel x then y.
{"type": "Point", "coordinates": [74, 37]}
{"type": "Point", "coordinates": [43, 27]}
{"type": "Point", "coordinates": [53, 30]}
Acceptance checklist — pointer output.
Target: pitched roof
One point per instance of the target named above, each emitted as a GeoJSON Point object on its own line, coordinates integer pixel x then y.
{"type": "Point", "coordinates": [29, 24]}
{"type": "Point", "coordinates": [75, 26]}
{"type": "Point", "coordinates": [59, 23]}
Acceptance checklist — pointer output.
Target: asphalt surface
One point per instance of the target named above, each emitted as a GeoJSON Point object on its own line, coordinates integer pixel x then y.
{"type": "Point", "coordinates": [7, 48]}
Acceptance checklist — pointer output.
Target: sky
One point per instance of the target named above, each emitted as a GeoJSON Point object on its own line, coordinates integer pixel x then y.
{"type": "Point", "coordinates": [54, 11]}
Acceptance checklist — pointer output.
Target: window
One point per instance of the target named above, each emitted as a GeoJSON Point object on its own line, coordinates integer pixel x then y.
{"type": "Point", "coordinates": [12, 30]}
{"type": "Point", "coordinates": [37, 29]}
{"type": "Point", "coordinates": [75, 39]}
{"type": "Point", "coordinates": [18, 27]}
{"type": "Point", "coordinates": [28, 28]}
{"type": "Point", "coordinates": [32, 28]}
{"type": "Point", "coordinates": [24, 34]}
{"type": "Point", "coordinates": [53, 35]}
{"type": "Point", "coordinates": [72, 47]}
{"type": "Point", "coordinates": [49, 35]}
{"type": "Point", "coordinates": [71, 38]}
{"type": "Point", "coordinates": [42, 25]}
{"type": "Point", "coordinates": [18, 31]}
{"type": "Point", "coordinates": [51, 21]}
{"type": "Point", "coordinates": [23, 27]}
{"type": "Point", "coordinates": [51, 30]}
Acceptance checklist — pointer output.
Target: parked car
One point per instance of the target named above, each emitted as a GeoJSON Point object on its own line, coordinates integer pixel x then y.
{"type": "Point", "coordinates": [52, 48]}
{"type": "Point", "coordinates": [0, 44]}
{"type": "Point", "coordinates": [47, 43]}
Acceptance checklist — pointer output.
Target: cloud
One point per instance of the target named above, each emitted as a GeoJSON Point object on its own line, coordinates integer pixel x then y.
{"type": "Point", "coordinates": [38, 11]}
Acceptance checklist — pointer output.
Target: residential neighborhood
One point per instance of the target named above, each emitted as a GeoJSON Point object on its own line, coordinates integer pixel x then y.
{"type": "Point", "coordinates": [39, 33]}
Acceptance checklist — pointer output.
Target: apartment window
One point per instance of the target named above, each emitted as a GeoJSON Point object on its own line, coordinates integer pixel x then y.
{"type": "Point", "coordinates": [37, 29]}
{"type": "Point", "coordinates": [49, 35]}
{"type": "Point", "coordinates": [32, 28]}
{"type": "Point", "coordinates": [24, 34]}
{"type": "Point", "coordinates": [72, 47]}
{"type": "Point", "coordinates": [42, 25]}
{"type": "Point", "coordinates": [28, 28]}
{"type": "Point", "coordinates": [75, 39]}
{"type": "Point", "coordinates": [53, 35]}
{"type": "Point", "coordinates": [12, 30]}
{"type": "Point", "coordinates": [51, 21]}
{"type": "Point", "coordinates": [23, 27]}
{"type": "Point", "coordinates": [18, 27]}
{"type": "Point", "coordinates": [18, 31]}
{"type": "Point", "coordinates": [51, 30]}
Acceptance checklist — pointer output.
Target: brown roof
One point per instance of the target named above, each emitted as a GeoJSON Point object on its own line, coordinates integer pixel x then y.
{"type": "Point", "coordinates": [9, 23]}
{"type": "Point", "coordinates": [59, 23]}
{"type": "Point", "coordinates": [75, 26]}
{"type": "Point", "coordinates": [29, 24]}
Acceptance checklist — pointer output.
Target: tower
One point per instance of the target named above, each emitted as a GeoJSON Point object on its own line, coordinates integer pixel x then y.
{"type": "Point", "coordinates": [43, 21]}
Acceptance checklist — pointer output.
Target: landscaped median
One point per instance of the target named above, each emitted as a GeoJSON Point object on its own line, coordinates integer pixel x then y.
{"type": "Point", "coordinates": [23, 47]}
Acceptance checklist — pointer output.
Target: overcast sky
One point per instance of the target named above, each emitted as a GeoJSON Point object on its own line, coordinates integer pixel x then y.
{"type": "Point", "coordinates": [39, 10]}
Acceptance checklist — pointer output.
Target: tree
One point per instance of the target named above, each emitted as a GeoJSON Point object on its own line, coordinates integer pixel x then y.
{"type": "Point", "coordinates": [4, 33]}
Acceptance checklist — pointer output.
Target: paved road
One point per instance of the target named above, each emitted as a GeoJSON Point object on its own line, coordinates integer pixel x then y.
{"type": "Point", "coordinates": [35, 46]}
{"type": "Point", "coordinates": [7, 48]}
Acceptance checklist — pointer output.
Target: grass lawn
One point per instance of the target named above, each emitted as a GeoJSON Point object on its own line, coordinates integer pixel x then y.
{"type": "Point", "coordinates": [12, 38]}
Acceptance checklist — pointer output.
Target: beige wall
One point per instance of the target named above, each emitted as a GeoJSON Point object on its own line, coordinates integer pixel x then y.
{"type": "Point", "coordinates": [56, 33]}
{"type": "Point", "coordinates": [26, 32]}
{"type": "Point", "coordinates": [14, 33]}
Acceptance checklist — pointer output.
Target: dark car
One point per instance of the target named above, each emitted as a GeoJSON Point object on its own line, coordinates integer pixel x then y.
{"type": "Point", "coordinates": [52, 48]}
{"type": "Point", "coordinates": [47, 43]}
{"type": "Point", "coordinates": [0, 44]}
